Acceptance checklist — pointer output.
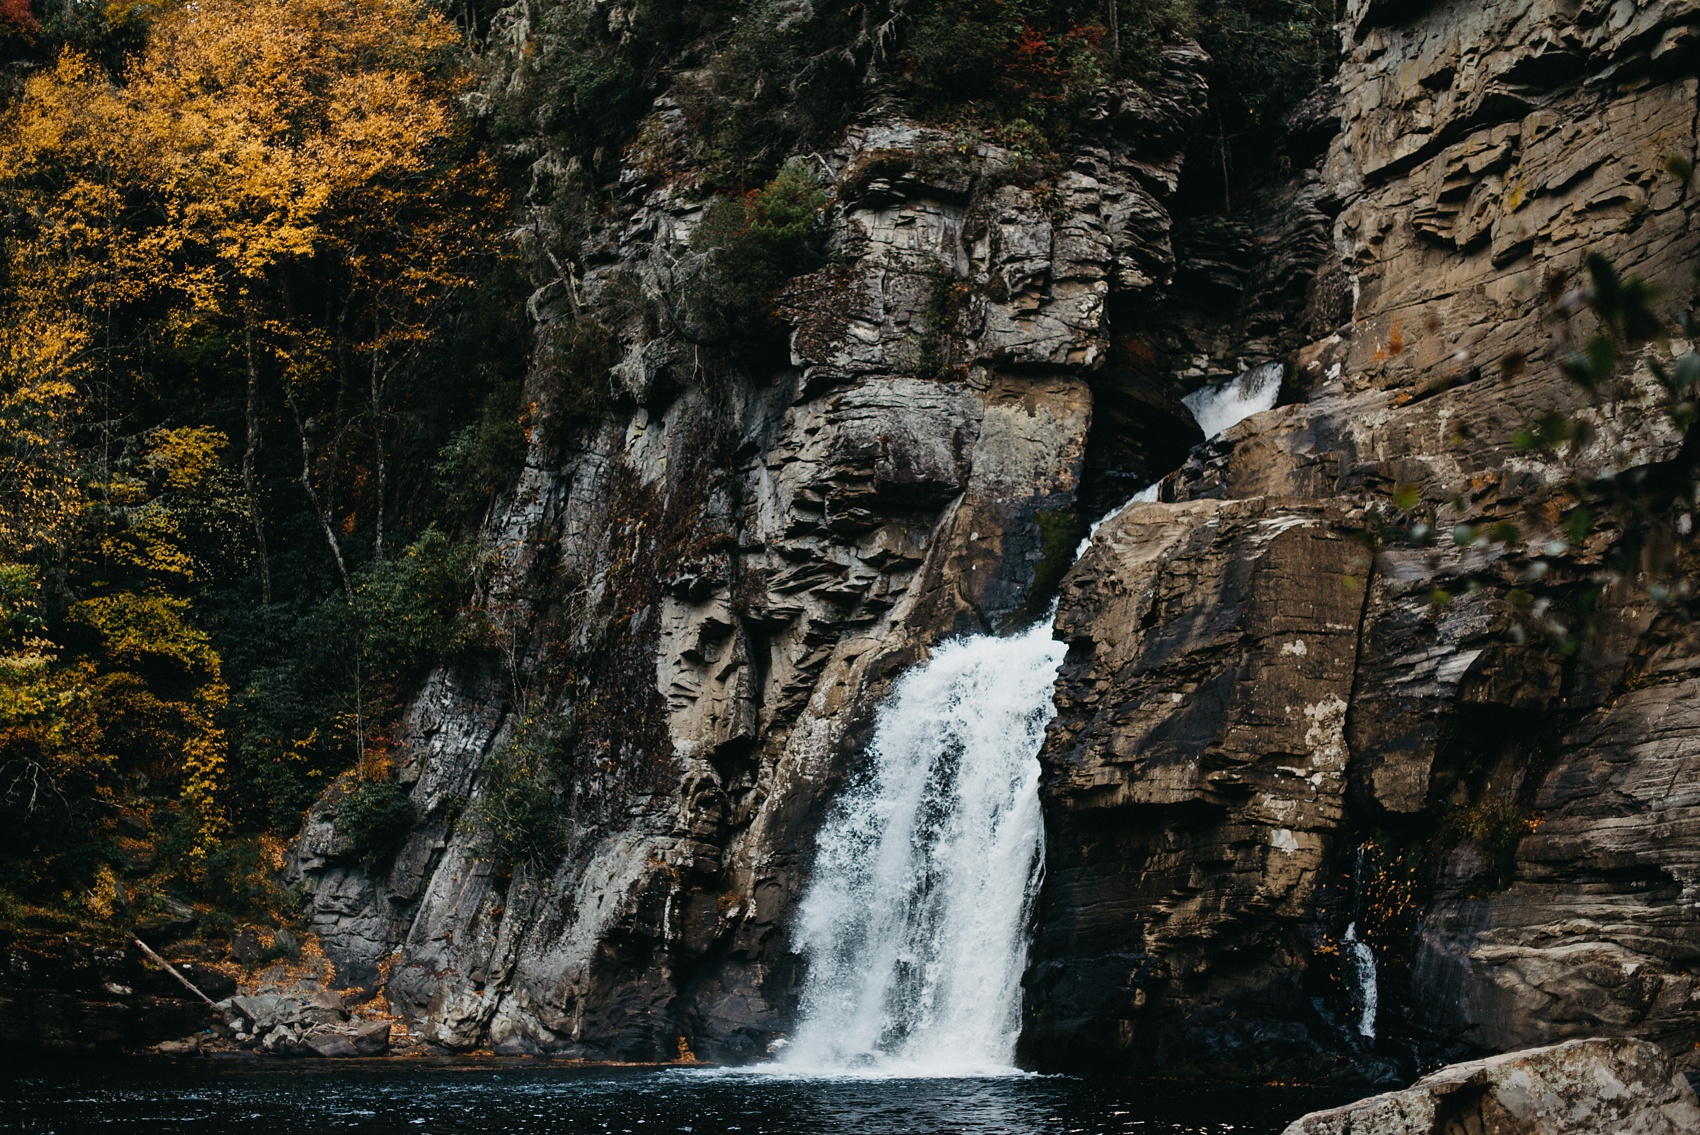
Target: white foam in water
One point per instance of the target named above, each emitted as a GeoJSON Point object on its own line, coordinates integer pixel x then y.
{"type": "Point", "coordinates": [1220, 407]}
{"type": "Point", "coordinates": [915, 925]}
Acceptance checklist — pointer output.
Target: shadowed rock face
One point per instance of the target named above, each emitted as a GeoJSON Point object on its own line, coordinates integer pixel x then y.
{"type": "Point", "coordinates": [1578, 1088]}
{"type": "Point", "coordinates": [717, 585]}
{"type": "Point", "coordinates": [1257, 686]}
{"type": "Point", "coordinates": [1197, 760]}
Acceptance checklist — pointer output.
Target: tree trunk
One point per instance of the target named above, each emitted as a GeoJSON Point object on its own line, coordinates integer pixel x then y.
{"type": "Point", "coordinates": [1115, 37]}
{"type": "Point", "coordinates": [248, 476]}
{"type": "Point", "coordinates": [172, 970]}
{"type": "Point", "coordinates": [1222, 150]}
{"type": "Point", "coordinates": [378, 454]}
{"type": "Point", "coordinates": [313, 495]}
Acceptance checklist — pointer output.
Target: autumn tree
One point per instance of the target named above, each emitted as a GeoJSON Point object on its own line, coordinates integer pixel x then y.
{"type": "Point", "coordinates": [315, 192]}
{"type": "Point", "coordinates": [272, 207]}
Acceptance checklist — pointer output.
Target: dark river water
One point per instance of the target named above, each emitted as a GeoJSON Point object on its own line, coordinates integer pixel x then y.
{"type": "Point", "coordinates": [442, 1098]}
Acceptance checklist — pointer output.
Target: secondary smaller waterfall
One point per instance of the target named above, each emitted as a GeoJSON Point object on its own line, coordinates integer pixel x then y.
{"type": "Point", "coordinates": [1360, 960]}
{"type": "Point", "coordinates": [1214, 408]}
{"type": "Point", "coordinates": [916, 921]}
{"type": "Point", "coordinates": [1226, 404]}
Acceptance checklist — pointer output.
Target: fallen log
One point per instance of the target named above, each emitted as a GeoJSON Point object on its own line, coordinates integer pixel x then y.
{"type": "Point", "coordinates": [172, 970]}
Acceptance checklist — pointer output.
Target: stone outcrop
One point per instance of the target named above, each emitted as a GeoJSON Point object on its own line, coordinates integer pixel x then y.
{"type": "Point", "coordinates": [310, 1023]}
{"type": "Point", "coordinates": [1507, 825]}
{"type": "Point", "coordinates": [1577, 1088]}
{"type": "Point", "coordinates": [1197, 762]}
{"type": "Point", "coordinates": [702, 597]}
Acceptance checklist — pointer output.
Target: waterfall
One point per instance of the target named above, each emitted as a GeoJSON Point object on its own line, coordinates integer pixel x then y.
{"type": "Point", "coordinates": [914, 928]}
{"type": "Point", "coordinates": [1361, 960]}
{"type": "Point", "coordinates": [915, 925]}
{"type": "Point", "coordinates": [1216, 408]}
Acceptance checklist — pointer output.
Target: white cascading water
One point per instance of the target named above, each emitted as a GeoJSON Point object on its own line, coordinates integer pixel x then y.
{"type": "Point", "coordinates": [916, 922]}
{"type": "Point", "coordinates": [1362, 962]}
{"type": "Point", "coordinates": [1215, 409]}
{"type": "Point", "coordinates": [915, 925]}
{"type": "Point", "coordinates": [1226, 404]}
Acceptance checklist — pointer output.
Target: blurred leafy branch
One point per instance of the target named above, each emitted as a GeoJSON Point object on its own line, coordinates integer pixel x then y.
{"type": "Point", "coordinates": [1618, 507]}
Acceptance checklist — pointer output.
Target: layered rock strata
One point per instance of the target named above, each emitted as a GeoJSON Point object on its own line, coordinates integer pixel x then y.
{"type": "Point", "coordinates": [1260, 684]}
{"type": "Point", "coordinates": [702, 596]}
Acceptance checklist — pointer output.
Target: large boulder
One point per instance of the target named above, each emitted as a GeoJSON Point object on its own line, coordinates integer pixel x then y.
{"type": "Point", "coordinates": [1582, 1087]}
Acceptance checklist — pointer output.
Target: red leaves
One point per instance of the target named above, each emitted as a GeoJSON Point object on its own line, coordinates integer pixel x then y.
{"type": "Point", "coordinates": [1032, 69]}
{"type": "Point", "coordinates": [16, 17]}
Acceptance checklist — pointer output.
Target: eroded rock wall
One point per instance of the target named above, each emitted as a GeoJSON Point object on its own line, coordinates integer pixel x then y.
{"type": "Point", "coordinates": [715, 582]}
{"type": "Point", "coordinates": [1276, 721]}
{"type": "Point", "coordinates": [1259, 683]}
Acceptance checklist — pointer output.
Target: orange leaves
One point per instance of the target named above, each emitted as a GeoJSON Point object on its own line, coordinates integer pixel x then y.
{"type": "Point", "coordinates": [244, 137]}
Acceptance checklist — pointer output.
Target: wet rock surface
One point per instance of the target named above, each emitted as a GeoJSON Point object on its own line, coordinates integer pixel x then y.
{"type": "Point", "coordinates": [1578, 1088]}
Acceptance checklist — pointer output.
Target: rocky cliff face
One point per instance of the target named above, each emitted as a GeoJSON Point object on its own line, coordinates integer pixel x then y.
{"type": "Point", "coordinates": [714, 586]}
{"type": "Point", "coordinates": [1275, 726]}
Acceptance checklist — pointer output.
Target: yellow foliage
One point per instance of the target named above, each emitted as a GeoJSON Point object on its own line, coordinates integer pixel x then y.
{"type": "Point", "coordinates": [246, 137]}
{"type": "Point", "coordinates": [187, 457]}
{"type": "Point", "coordinates": [102, 898]}
{"type": "Point", "coordinates": [246, 142]}
{"type": "Point", "coordinates": [267, 130]}
{"type": "Point", "coordinates": [203, 766]}
{"type": "Point", "coordinates": [137, 628]}
{"type": "Point", "coordinates": [40, 501]}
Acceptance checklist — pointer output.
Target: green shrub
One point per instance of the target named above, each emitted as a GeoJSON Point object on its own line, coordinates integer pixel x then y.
{"type": "Point", "coordinates": [405, 607]}
{"type": "Point", "coordinates": [785, 81]}
{"type": "Point", "coordinates": [375, 818]}
{"type": "Point", "coordinates": [1266, 55]}
{"type": "Point", "coordinates": [523, 810]}
{"type": "Point", "coordinates": [1060, 533]}
{"type": "Point", "coordinates": [1496, 830]}
{"type": "Point", "coordinates": [749, 248]}
{"type": "Point", "coordinates": [581, 352]}
{"type": "Point", "coordinates": [482, 458]}
{"type": "Point", "coordinates": [11, 911]}
{"type": "Point", "coordinates": [1007, 58]}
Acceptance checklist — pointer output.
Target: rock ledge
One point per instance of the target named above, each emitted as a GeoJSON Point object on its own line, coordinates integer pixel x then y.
{"type": "Point", "coordinates": [1581, 1087]}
